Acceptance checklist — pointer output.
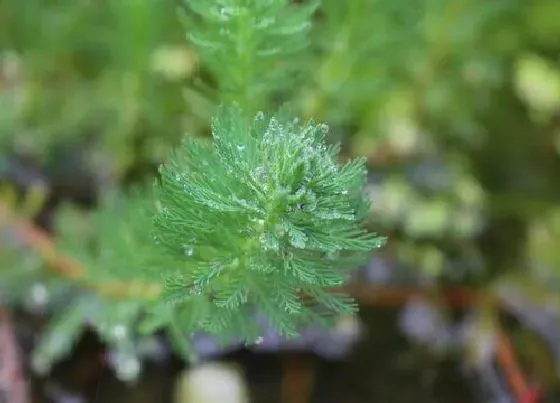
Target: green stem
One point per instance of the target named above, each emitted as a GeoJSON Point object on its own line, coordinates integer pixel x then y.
{"type": "Point", "coordinates": [245, 48]}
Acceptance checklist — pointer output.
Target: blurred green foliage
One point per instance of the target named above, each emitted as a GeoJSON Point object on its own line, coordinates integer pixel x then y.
{"type": "Point", "coordinates": [109, 72]}
{"type": "Point", "coordinates": [456, 105]}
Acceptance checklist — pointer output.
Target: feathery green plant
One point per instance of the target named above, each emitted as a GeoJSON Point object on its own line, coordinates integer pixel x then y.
{"type": "Point", "coordinates": [262, 220]}
{"type": "Point", "coordinates": [263, 214]}
{"type": "Point", "coordinates": [248, 45]}
{"type": "Point", "coordinates": [266, 218]}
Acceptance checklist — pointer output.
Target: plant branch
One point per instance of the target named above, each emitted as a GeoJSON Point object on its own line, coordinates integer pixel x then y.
{"type": "Point", "coordinates": [41, 242]}
{"type": "Point", "coordinates": [14, 386]}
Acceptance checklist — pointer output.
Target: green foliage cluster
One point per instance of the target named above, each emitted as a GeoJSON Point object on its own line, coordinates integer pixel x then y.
{"type": "Point", "coordinates": [249, 46]}
{"type": "Point", "coordinates": [453, 103]}
{"type": "Point", "coordinates": [290, 219]}
{"type": "Point", "coordinates": [93, 68]}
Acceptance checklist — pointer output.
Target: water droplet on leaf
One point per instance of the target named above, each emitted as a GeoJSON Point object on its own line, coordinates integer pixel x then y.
{"type": "Point", "coordinates": [333, 255]}
{"type": "Point", "coordinates": [189, 250]}
{"type": "Point", "coordinates": [258, 174]}
{"type": "Point", "coordinates": [269, 242]}
{"type": "Point", "coordinates": [297, 238]}
{"type": "Point", "coordinates": [259, 223]}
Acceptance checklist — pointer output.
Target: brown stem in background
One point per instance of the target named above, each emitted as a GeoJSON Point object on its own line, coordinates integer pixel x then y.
{"type": "Point", "coordinates": [297, 379]}
{"type": "Point", "coordinates": [14, 387]}
{"type": "Point", "coordinates": [508, 362]}
{"type": "Point", "coordinates": [458, 297]}
{"type": "Point", "coordinates": [41, 242]}
{"type": "Point", "coordinates": [393, 296]}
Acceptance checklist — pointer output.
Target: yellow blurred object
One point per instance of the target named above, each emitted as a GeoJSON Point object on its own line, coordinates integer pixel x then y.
{"type": "Point", "coordinates": [174, 62]}
{"type": "Point", "coordinates": [538, 83]}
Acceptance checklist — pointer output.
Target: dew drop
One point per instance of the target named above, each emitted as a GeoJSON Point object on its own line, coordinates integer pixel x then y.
{"type": "Point", "coordinates": [269, 242]}
{"type": "Point", "coordinates": [298, 239]}
{"type": "Point", "coordinates": [240, 147]}
{"type": "Point", "coordinates": [259, 222]}
{"type": "Point", "coordinates": [279, 230]}
{"type": "Point", "coordinates": [258, 174]}
{"type": "Point", "coordinates": [189, 250]}
{"type": "Point", "coordinates": [225, 13]}
{"type": "Point", "coordinates": [324, 128]}
{"type": "Point", "coordinates": [333, 255]}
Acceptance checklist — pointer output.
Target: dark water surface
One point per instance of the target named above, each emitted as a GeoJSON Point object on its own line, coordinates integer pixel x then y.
{"type": "Point", "coordinates": [383, 367]}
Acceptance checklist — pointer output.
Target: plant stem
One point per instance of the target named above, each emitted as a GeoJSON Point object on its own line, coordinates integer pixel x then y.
{"type": "Point", "coordinates": [42, 244]}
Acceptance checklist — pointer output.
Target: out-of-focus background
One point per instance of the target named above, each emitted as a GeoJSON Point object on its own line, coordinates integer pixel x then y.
{"type": "Point", "coordinates": [456, 105]}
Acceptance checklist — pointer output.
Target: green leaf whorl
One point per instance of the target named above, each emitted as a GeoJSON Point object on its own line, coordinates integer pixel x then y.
{"type": "Point", "coordinates": [265, 219]}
